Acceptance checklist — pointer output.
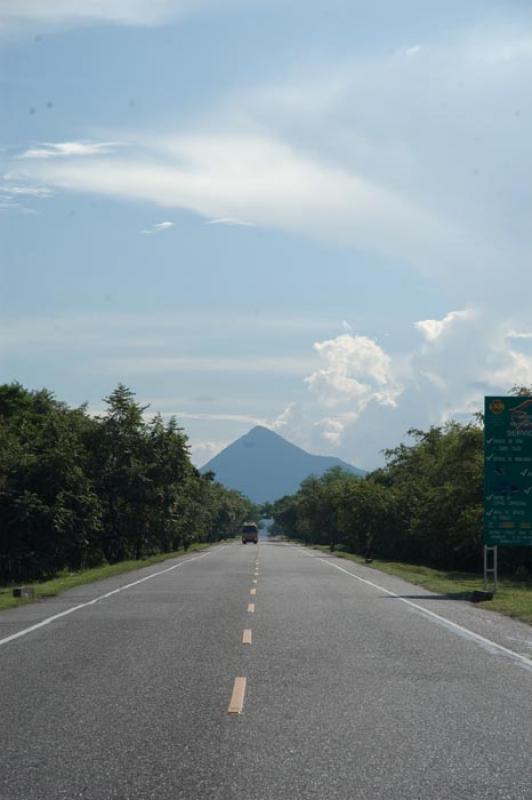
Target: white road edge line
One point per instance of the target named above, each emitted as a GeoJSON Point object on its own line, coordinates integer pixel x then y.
{"type": "Point", "coordinates": [476, 637]}
{"type": "Point", "coordinates": [48, 620]}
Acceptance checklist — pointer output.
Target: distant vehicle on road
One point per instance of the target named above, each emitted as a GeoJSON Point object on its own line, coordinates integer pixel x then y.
{"type": "Point", "coordinates": [250, 532]}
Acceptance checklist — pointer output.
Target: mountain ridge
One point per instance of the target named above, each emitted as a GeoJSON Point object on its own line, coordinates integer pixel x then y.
{"type": "Point", "coordinates": [265, 466]}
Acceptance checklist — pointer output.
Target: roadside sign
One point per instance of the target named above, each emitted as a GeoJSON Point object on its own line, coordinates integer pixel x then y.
{"type": "Point", "coordinates": [508, 471]}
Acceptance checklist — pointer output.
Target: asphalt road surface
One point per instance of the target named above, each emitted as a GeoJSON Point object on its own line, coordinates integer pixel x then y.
{"type": "Point", "coordinates": [356, 685]}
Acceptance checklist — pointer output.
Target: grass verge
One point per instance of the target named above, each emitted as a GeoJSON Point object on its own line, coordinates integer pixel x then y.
{"type": "Point", "coordinates": [513, 599]}
{"type": "Point", "coordinates": [69, 580]}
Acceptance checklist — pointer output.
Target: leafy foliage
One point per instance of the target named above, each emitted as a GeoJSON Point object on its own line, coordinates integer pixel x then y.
{"type": "Point", "coordinates": [76, 491]}
{"type": "Point", "coordinates": [424, 507]}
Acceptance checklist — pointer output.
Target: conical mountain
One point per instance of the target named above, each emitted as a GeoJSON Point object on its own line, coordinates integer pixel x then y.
{"type": "Point", "coordinates": [265, 467]}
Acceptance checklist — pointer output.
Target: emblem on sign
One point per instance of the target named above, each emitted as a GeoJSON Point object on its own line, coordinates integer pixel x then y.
{"type": "Point", "coordinates": [497, 407]}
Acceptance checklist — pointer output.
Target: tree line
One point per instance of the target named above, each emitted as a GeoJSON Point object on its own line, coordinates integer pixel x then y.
{"type": "Point", "coordinates": [78, 490]}
{"type": "Point", "coordinates": [424, 507]}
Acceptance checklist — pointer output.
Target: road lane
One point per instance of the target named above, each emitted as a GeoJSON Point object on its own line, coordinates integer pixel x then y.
{"type": "Point", "coordinates": [371, 699]}
{"type": "Point", "coordinates": [489, 644]}
{"type": "Point", "coordinates": [348, 693]}
{"type": "Point", "coordinates": [118, 699]}
{"type": "Point", "coordinates": [73, 609]}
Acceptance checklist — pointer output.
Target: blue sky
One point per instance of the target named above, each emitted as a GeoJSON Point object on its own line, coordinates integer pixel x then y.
{"type": "Point", "coordinates": [313, 216]}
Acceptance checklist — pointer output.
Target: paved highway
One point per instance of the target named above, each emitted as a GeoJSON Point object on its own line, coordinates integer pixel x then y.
{"type": "Point", "coordinates": [356, 686]}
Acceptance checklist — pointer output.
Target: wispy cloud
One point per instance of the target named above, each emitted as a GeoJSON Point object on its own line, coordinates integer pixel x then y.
{"type": "Point", "coordinates": [218, 417]}
{"type": "Point", "coordinates": [229, 221]}
{"type": "Point", "coordinates": [203, 450]}
{"type": "Point", "coordinates": [8, 203]}
{"type": "Point", "coordinates": [26, 191]}
{"type": "Point", "coordinates": [16, 15]}
{"type": "Point", "coordinates": [69, 149]}
{"type": "Point", "coordinates": [266, 182]}
{"type": "Point", "coordinates": [274, 365]}
{"type": "Point", "coordinates": [157, 228]}
{"type": "Point", "coordinates": [98, 332]}
{"type": "Point", "coordinates": [509, 46]}
{"type": "Point", "coordinates": [426, 123]}
{"type": "Point", "coordinates": [15, 189]}
{"type": "Point", "coordinates": [399, 176]}
{"type": "Point", "coordinates": [284, 418]}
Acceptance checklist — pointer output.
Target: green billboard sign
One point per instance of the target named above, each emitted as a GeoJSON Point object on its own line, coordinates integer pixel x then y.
{"type": "Point", "coordinates": [508, 471]}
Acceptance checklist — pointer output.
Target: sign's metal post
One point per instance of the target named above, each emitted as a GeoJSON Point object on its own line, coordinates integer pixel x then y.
{"type": "Point", "coordinates": [490, 570]}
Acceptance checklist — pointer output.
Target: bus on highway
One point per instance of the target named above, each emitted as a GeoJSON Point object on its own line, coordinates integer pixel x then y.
{"type": "Point", "coordinates": [250, 532]}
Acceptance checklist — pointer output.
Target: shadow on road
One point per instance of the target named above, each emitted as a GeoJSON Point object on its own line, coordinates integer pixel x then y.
{"type": "Point", "coordinates": [450, 596]}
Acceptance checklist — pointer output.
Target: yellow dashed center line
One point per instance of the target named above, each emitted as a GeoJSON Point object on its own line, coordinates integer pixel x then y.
{"type": "Point", "coordinates": [236, 704]}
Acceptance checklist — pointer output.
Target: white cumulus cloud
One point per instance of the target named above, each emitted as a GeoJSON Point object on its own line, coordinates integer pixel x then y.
{"type": "Point", "coordinates": [356, 369]}
{"type": "Point", "coordinates": [371, 398]}
{"type": "Point", "coordinates": [432, 329]}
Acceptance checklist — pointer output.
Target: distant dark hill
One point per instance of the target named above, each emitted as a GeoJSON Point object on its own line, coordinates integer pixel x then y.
{"type": "Point", "coordinates": [265, 467]}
